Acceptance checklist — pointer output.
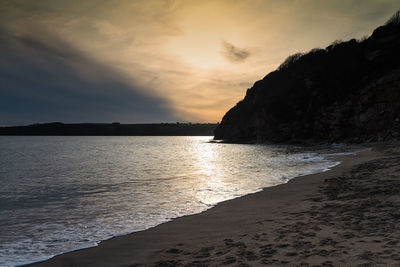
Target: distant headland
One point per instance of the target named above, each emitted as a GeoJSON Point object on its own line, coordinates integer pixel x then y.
{"type": "Point", "coordinates": [112, 129]}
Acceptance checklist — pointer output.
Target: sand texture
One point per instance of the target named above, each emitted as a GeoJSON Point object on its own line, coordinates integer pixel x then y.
{"type": "Point", "coordinates": [349, 216]}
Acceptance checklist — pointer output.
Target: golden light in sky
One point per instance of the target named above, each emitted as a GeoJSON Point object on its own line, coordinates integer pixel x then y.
{"type": "Point", "coordinates": [200, 42]}
{"type": "Point", "coordinates": [196, 59]}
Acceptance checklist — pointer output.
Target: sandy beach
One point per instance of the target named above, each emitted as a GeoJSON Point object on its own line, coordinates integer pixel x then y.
{"type": "Point", "coordinates": [348, 216]}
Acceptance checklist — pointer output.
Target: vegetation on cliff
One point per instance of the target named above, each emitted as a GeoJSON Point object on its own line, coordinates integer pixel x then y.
{"type": "Point", "coordinates": [349, 91]}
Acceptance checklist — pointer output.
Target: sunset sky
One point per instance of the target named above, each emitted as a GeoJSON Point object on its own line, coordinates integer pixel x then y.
{"type": "Point", "coordinates": [157, 61]}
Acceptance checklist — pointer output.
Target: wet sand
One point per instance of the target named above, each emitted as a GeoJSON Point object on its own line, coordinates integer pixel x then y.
{"type": "Point", "coordinates": [349, 216]}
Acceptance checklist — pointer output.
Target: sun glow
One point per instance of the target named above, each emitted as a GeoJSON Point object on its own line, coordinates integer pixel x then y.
{"type": "Point", "coordinates": [198, 51]}
{"type": "Point", "coordinates": [201, 39]}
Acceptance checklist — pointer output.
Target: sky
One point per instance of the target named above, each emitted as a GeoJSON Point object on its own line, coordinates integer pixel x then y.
{"type": "Point", "coordinates": [147, 61]}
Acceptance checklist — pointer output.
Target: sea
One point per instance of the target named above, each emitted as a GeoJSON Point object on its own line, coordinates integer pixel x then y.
{"type": "Point", "coordinates": [63, 193]}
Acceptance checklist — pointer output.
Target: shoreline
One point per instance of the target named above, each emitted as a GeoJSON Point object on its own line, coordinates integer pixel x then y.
{"type": "Point", "coordinates": [245, 230]}
{"type": "Point", "coordinates": [352, 150]}
{"type": "Point", "coordinates": [333, 157]}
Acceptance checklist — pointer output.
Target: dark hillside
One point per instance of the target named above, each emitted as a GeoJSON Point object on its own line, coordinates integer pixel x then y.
{"type": "Point", "coordinates": [349, 91]}
{"type": "Point", "coordinates": [112, 129]}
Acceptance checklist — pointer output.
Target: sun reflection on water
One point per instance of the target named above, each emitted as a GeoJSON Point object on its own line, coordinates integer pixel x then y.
{"type": "Point", "coordinates": [211, 185]}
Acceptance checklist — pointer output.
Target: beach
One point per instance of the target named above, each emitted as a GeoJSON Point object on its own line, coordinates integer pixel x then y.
{"type": "Point", "coordinates": [348, 216]}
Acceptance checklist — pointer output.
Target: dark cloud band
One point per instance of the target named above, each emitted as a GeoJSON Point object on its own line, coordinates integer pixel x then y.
{"type": "Point", "coordinates": [47, 79]}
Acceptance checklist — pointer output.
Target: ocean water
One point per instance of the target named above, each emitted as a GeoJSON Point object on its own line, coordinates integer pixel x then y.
{"type": "Point", "coordinates": [59, 194]}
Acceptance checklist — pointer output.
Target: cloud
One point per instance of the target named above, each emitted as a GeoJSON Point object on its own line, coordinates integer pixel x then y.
{"type": "Point", "coordinates": [46, 79]}
{"type": "Point", "coordinates": [167, 55]}
{"type": "Point", "coordinates": [233, 53]}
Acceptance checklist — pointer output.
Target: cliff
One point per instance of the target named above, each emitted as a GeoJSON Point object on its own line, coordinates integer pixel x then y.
{"type": "Point", "coordinates": [349, 91]}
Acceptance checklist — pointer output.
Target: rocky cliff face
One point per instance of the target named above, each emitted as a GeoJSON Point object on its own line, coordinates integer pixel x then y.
{"type": "Point", "coordinates": [349, 91]}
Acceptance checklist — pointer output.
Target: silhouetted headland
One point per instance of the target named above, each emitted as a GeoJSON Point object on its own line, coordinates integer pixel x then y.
{"type": "Point", "coordinates": [349, 91]}
{"type": "Point", "coordinates": [112, 129]}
